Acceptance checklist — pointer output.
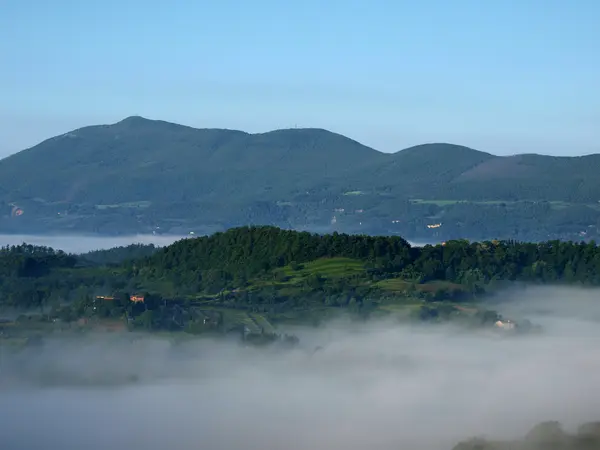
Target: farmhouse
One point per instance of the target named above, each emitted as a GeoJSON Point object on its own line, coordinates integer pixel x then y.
{"type": "Point", "coordinates": [133, 298]}
{"type": "Point", "coordinates": [505, 324]}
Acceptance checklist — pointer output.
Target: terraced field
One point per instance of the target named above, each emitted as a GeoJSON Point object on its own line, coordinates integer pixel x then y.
{"type": "Point", "coordinates": [326, 267]}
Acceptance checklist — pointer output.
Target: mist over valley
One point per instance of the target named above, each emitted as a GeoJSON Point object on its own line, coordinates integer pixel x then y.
{"type": "Point", "coordinates": [380, 385]}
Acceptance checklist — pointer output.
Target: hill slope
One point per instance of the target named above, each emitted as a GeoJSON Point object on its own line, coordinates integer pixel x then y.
{"type": "Point", "coordinates": [424, 170]}
{"type": "Point", "coordinates": [146, 160]}
{"type": "Point", "coordinates": [139, 174]}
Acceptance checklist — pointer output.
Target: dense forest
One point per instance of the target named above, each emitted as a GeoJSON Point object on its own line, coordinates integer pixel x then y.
{"type": "Point", "coordinates": [118, 255]}
{"type": "Point", "coordinates": [228, 260]}
{"type": "Point", "coordinates": [266, 274]}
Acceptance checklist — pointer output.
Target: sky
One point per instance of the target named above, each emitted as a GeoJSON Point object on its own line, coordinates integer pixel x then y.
{"type": "Point", "coordinates": [503, 76]}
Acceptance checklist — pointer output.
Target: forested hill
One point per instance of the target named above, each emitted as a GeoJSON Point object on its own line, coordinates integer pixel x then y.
{"type": "Point", "coordinates": [230, 258]}
{"type": "Point", "coordinates": [141, 175]}
{"type": "Point", "coordinates": [251, 250]}
{"type": "Point", "coordinates": [29, 261]}
{"type": "Point", "coordinates": [252, 276]}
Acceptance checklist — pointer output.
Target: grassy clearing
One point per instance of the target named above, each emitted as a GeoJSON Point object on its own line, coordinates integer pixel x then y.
{"type": "Point", "coordinates": [313, 315]}
{"type": "Point", "coordinates": [289, 277]}
{"type": "Point", "coordinates": [327, 267]}
{"type": "Point", "coordinates": [234, 318]}
{"type": "Point", "coordinates": [394, 285]}
{"type": "Point", "coordinates": [418, 201]}
{"type": "Point", "coordinates": [467, 308]}
{"type": "Point", "coordinates": [263, 323]}
{"type": "Point", "coordinates": [400, 285]}
{"type": "Point", "coordinates": [141, 204]}
{"type": "Point", "coordinates": [558, 205]}
{"type": "Point", "coordinates": [249, 322]}
{"type": "Point", "coordinates": [401, 310]}
{"type": "Point", "coordinates": [554, 204]}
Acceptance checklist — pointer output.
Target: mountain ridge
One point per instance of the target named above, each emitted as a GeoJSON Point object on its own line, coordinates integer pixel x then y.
{"type": "Point", "coordinates": [138, 172]}
{"type": "Point", "coordinates": [136, 120]}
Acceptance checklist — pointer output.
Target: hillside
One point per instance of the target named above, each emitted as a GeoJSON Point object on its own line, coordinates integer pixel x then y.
{"type": "Point", "coordinates": [146, 160]}
{"type": "Point", "coordinates": [141, 175]}
{"type": "Point", "coordinates": [265, 275]}
{"type": "Point", "coordinates": [424, 171]}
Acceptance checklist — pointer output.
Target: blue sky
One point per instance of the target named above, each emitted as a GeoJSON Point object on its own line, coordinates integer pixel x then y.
{"type": "Point", "coordinates": [501, 76]}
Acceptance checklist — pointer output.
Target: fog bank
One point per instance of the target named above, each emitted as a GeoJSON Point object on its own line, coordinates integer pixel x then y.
{"type": "Point", "coordinates": [380, 385]}
{"type": "Point", "coordinates": [83, 244]}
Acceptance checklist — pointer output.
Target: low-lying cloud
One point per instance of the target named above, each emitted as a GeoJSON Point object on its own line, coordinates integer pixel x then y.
{"type": "Point", "coordinates": [83, 244]}
{"type": "Point", "coordinates": [379, 385]}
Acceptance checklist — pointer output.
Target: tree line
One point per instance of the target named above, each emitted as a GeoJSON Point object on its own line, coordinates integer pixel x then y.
{"type": "Point", "coordinates": [245, 268]}
{"type": "Point", "coordinates": [242, 253]}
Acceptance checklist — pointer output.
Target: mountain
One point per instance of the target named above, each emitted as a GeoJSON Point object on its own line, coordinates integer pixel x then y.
{"type": "Point", "coordinates": [447, 171]}
{"type": "Point", "coordinates": [424, 171]}
{"type": "Point", "coordinates": [146, 160]}
{"type": "Point", "coordinates": [139, 175]}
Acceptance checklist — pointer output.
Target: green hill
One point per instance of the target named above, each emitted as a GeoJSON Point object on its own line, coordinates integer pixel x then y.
{"type": "Point", "coordinates": [256, 277]}
{"type": "Point", "coordinates": [141, 175]}
{"type": "Point", "coordinates": [423, 171]}
{"type": "Point", "coordinates": [146, 160]}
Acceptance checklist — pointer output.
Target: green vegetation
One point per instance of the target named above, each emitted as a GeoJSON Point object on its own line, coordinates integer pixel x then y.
{"type": "Point", "coordinates": [248, 280]}
{"type": "Point", "coordinates": [553, 204]}
{"type": "Point", "coordinates": [141, 204]}
{"type": "Point", "coordinates": [118, 255]}
{"type": "Point", "coordinates": [141, 176]}
{"type": "Point", "coordinates": [326, 267]}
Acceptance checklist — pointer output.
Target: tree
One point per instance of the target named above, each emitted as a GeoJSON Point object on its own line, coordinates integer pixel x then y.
{"type": "Point", "coordinates": [146, 319]}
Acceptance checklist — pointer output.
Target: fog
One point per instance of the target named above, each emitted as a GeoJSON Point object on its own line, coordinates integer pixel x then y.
{"type": "Point", "coordinates": [377, 385]}
{"type": "Point", "coordinates": [82, 244]}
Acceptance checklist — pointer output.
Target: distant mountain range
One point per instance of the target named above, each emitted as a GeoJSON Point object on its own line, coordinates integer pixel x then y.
{"type": "Point", "coordinates": [139, 174]}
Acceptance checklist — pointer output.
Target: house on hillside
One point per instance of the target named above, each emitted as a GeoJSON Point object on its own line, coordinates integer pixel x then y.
{"type": "Point", "coordinates": [133, 298]}
{"type": "Point", "coordinates": [505, 324]}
